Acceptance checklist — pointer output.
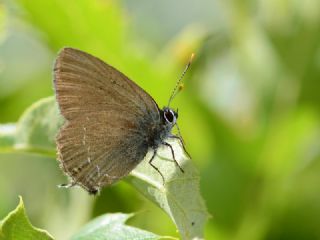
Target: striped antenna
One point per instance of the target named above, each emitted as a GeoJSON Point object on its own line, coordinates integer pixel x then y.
{"type": "Point", "coordinates": [179, 85]}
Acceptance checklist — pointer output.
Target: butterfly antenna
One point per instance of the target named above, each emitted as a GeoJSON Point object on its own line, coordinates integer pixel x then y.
{"type": "Point", "coordinates": [179, 86]}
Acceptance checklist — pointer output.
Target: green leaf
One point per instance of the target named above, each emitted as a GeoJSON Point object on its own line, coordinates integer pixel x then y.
{"type": "Point", "coordinates": [179, 197]}
{"type": "Point", "coordinates": [16, 226]}
{"type": "Point", "coordinates": [35, 131]}
{"type": "Point", "coordinates": [112, 227]}
{"type": "Point", "coordinates": [38, 126]}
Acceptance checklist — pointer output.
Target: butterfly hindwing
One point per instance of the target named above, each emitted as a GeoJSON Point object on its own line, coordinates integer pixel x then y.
{"type": "Point", "coordinates": [94, 159]}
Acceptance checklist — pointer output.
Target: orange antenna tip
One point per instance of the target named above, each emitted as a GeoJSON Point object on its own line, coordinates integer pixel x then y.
{"type": "Point", "coordinates": [181, 86]}
{"type": "Point", "coordinates": [192, 57]}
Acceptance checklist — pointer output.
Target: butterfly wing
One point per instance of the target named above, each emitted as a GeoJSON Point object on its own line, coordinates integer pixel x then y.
{"type": "Point", "coordinates": [93, 157]}
{"type": "Point", "coordinates": [107, 114]}
{"type": "Point", "coordinates": [84, 84]}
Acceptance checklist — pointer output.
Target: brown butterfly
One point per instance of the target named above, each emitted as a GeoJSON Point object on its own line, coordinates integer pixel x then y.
{"type": "Point", "coordinates": [111, 122]}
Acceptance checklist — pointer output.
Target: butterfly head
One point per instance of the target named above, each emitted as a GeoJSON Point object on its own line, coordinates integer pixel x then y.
{"type": "Point", "coordinates": [170, 116]}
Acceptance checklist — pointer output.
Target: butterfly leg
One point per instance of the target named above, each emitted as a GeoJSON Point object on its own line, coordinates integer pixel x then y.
{"type": "Point", "coordinates": [174, 158]}
{"type": "Point", "coordinates": [157, 169]}
{"type": "Point", "coordinates": [182, 143]}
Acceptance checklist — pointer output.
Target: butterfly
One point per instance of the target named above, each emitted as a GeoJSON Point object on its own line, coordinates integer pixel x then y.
{"type": "Point", "coordinates": [110, 122]}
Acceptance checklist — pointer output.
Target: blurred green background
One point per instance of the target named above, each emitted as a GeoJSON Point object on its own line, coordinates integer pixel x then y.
{"type": "Point", "coordinates": [249, 112]}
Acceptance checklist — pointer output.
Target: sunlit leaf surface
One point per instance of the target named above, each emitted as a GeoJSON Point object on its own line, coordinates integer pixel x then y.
{"type": "Point", "coordinates": [16, 226]}
{"type": "Point", "coordinates": [112, 227]}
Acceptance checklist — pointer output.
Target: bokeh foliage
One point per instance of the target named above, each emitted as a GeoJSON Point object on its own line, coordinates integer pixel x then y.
{"type": "Point", "coordinates": [249, 113]}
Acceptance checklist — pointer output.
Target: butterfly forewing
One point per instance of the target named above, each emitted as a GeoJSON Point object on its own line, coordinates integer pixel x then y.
{"type": "Point", "coordinates": [84, 83]}
{"type": "Point", "coordinates": [106, 112]}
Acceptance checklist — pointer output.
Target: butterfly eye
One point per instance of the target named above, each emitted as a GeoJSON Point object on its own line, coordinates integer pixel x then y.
{"type": "Point", "coordinates": [169, 116]}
